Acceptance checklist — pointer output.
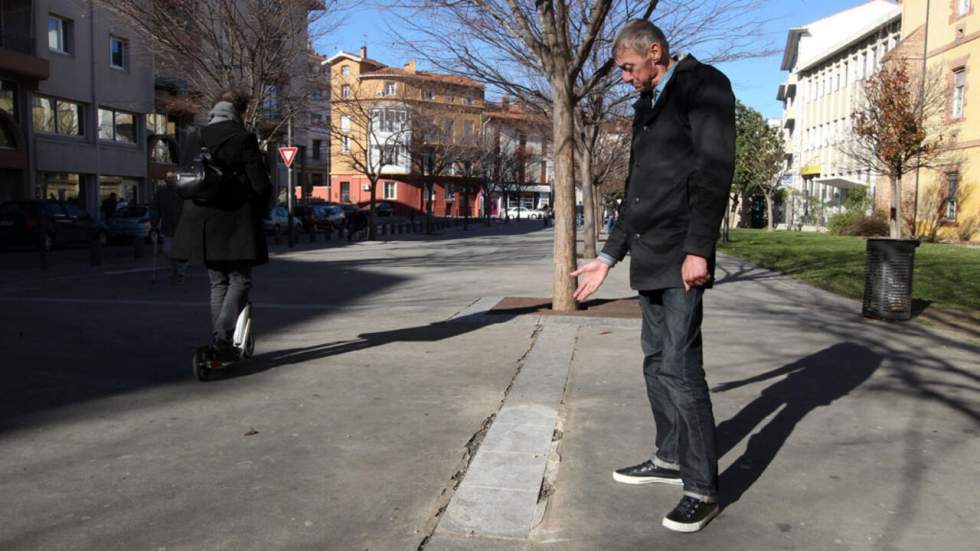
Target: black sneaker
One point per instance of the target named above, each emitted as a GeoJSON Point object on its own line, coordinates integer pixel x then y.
{"type": "Point", "coordinates": [691, 515]}
{"type": "Point", "coordinates": [647, 473]}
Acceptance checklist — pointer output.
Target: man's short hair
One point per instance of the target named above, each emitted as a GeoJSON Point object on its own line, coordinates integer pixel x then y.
{"type": "Point", "coordinates": [235, 97]}
{"type": "Point", "coordinates": [638, 35]}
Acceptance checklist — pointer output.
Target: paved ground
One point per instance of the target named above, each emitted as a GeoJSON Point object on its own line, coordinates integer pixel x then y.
{"type": "Point", "coordinates": [364, 413]}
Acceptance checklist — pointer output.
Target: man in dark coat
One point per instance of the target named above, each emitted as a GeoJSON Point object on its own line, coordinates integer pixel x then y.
{"type": "Point", "coordinates": [227, 233]}
{"type": "Point", "coordinates": [682, 160]}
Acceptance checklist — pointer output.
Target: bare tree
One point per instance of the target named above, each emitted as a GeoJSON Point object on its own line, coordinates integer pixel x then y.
{"type": "Point", "coordinates": [898, 129]}
{"type": "Point", "coordinates": [370, 136]}
{"type": "Point", "coordinates": [256, 47]}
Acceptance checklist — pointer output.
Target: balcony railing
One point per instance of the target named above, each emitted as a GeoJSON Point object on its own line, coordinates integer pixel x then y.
{"type": "Point", "coordinates": [18, 41]}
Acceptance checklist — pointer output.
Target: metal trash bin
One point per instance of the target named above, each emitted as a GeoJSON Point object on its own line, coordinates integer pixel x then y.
{"type": "Point", "coordinates": [888, 279]}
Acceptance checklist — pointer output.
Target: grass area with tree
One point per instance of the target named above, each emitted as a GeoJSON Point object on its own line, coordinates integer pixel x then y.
{"type": "Point", "coordinates": [946, 276]}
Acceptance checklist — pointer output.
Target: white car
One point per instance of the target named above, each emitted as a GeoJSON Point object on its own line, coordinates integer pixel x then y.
{"type": "Point", "coordinates": [278, 220]}
{"type": "Point", "coordinates": [524, 212]}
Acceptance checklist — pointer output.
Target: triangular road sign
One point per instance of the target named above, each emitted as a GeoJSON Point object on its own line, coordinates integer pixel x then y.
{"type": "Point", "coordinates": [288, 154]}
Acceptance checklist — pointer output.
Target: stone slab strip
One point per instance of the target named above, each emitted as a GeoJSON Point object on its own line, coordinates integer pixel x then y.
{"type": "Point", "coordinates": [499, 493]}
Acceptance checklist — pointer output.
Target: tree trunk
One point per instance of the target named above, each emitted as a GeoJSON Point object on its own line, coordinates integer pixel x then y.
{"type": "Point", "coordinates": [372, 229]}
{"type": "Point", "coordinates": [428, 207]}
{"type": "Point", "coordinates": [599, 207]}
{"type": "Point", "coordinates": [563, 129]}
{"type": "Point", "coordinates": [769, 221]}
{"type": "Point", "coordinates": [895, 219]}
{"type": "Point", "coordinates": [588, 204]}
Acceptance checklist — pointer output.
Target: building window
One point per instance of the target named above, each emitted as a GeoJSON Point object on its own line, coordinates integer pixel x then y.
{"type": "Point", "coordinates": [952, 183]}
{"type": "Point", "coordinates": [963, 7]}
{"type": "Point", "coordinates": [344, 123]}
{"type": "Point", "coordinates": [345, 144]}
{"type": "Point", "coordinates": [345, 70]}
{"type": "Point", "coordinates": [55, 116]}
{"type": "Point", "coordinates": [8, 98]}
{"type": "Point", "coordinates": [117, 126]}
{"type": "Point", "coordinates": [959, 89]}
{"type": "Point", "coordinates": [467, 129]}
{"type": "Point", "coordinates": [159, 125]}
{"type": "Point", "coordinates": [389, 155]}
{"type": "Point", "coordinates": [450, 193]}
{"type": "Point", "coordinates": [390, 190]}
{"type": "Point", "coordinates": [428, 94]}
{"type": "Point", "coordinates": [388, 120]}
{"type": "Point", "coordinates": [345, 91]}
{"type": "Point", "coordinates": [390, 89]}
{"type": "Point", "coordinates": [118, 53]}
{"type": "Point", "coordinates": [317, 146]}
{"type": "Point", "coordinates": [59, 34]}
{"type": "Point", "coordinates": [345, 192]}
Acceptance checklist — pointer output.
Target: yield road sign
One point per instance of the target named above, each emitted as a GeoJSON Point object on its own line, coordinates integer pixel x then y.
{"type": "Point", "coordinates": [288, 154]}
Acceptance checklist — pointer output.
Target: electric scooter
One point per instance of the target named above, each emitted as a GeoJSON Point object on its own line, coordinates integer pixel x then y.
{"type": "Point", "coordinates": [243, 344]}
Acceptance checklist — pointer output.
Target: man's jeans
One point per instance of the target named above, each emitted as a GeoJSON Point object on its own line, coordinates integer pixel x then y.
{"type": "Point", "coordinates": [673, 368]}
{"type": "Point", "coordinates": [230, 284]}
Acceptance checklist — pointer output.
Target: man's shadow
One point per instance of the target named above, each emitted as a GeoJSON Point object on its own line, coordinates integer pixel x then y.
{"type": "Point", "coordinates": [814, 381]}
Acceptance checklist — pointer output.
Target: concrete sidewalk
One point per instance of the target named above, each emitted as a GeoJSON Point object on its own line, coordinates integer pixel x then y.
{"type": "Point", "coordinates": [835, 432]}
{"type": "Point", "coordinates": [369, 422]}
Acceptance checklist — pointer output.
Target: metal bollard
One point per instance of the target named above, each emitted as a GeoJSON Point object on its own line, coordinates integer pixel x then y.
{"type": "Point", "coordinates": [138, 249]}
{"type": "Point", "coordinates": [312, 234]}
{"type": "Point", "coordinates": [95, 252]}
{"type": "Point", "coordinates": [42, 251]}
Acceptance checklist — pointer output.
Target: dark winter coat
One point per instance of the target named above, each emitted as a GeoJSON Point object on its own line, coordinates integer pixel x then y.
{"type": "Point", "coordinates": [229, 228]}
{"type": "Point", "coordinates": [682, 160]}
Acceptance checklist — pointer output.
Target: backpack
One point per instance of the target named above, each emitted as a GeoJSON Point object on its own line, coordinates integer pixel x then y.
{"type": "Point", "coordinates": [205, 176]}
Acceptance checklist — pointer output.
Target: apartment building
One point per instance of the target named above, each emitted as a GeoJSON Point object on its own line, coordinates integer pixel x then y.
{"type": "Point", "coordinates": [404, 124]}
{"type": "Point", "coordinates": [948, 35]}
{"type": "Point", "coordinates": [828, 62]}
{"type": "Point", "coordinates": [80, 129]}
{"type": "Point", "coordinates": [522, 136]}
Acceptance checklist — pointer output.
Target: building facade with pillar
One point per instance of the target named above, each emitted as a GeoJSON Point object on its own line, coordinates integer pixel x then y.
{"type": "Point", "coordinates": [828, 62]}
{"type": "Point", "coordinates": [81, 128]}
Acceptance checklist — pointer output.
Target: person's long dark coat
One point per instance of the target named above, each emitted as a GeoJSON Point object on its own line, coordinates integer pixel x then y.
{"type": "Point", "coordinates": [682, 161]}
{"type": "Point", "coordinates": [229, 228]}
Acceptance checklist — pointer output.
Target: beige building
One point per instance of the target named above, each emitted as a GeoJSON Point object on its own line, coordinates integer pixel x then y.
{"type": "Point", "coordinates": [948, 201]}
{"type": "Point", "coordinates": [395, 122]}
{"type": "Point", "coordinates": [828, 62]}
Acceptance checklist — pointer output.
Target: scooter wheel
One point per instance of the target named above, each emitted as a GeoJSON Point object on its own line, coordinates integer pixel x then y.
{"type": "Point", "coordinates": [202, 364]}
{"type": "Point", "coordinates": [248, 347]}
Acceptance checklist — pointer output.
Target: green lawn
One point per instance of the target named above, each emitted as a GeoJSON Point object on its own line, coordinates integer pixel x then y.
{"type": "Point", "coordinates": [945, 275]}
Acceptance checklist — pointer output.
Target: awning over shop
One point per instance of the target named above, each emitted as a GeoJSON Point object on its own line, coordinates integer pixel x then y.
{"type": "Point", "coordinates": [842, 183]}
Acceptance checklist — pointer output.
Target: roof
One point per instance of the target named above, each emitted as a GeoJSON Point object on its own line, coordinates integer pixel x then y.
{"type": "Point", "coordinates": [422, 75]}
{"type": "Point", "coordinates": [352, 57]}
{"type": "Point", "coordinates": [814, 42]}
{"type": "Point", "coordinates": [514, 112]}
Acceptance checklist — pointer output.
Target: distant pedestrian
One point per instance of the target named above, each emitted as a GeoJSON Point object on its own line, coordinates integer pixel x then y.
{"type": "Point", "coordinates": [227, 232]}
{"type": "Point", "coordinates": [610, 221]}
{"type": "Point", "coordinates": [165, 216]}
{"type": "Point", "coordinates": [682, 161]}
{"type": "Point", "coordinates": [108, 207]}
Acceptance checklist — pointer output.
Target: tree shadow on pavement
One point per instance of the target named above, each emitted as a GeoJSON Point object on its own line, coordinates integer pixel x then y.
{"type": "Point", "coordinates": [811, 382]}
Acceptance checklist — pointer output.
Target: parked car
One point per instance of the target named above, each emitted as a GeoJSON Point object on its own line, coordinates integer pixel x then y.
{"type": "Point", "coordinates": [524, 212]}
{"type": "Point", "coordinates": [349, 208]}
{"type": "Point", "coordinates": [130, 222]}
{"type": "Point", "coordinates": [54, 223]}
{"type": "Point", "coordinates": [309, 217]}
{"type": "Point", "coordinates": [277, 220]}
{"type": "Point", "coordinates": [335, 213]}
{"type": "Point", "coordinates": [381, 208]}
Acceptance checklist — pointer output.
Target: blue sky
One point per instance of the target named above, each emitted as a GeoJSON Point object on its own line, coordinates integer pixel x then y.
{"type": "Point", "coordinates": [755, 80]}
